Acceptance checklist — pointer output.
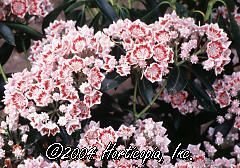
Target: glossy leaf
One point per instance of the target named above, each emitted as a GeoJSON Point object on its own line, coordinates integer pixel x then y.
{"type": "Point", "coordinates": [112, 81]}
{"type": "Point", "coordinates": [81, 18]}
{"type": "Point", "coordinates": [177, 79]}
{"type": "Point", "coordinates": [95, 21]}
{"type": "Point", "coordinates": [230, 5]}
{"type": "Point", "coordinates": [22, 40]}
{"type": "Point", "coordinates": [7, 34]}
{"type": "Point", "coordinates": [202, 76]}
{"type": "Point", "coordinates": [74, 5]}
{"type": "Point", "coordinates": [34, 34]}
{"type": "Point", "coordinates": [107, 9]}
{"type": "Point", "coordinates": [146, 90]}
{"type": "Point", "coordinates": [201, 95]}
{"type": "Point", "coordinates": [152, 12]}
{"type": "Point", "coordinates": [204, 117]}
{"type": "Point", "coordinates": [5, 52]}
{"type": "Point", "coordinates": [224, 128]}
{"type": "Point", "coordinates": [55, 13]}
{"type": "Point", "coordinates": [181, 10]}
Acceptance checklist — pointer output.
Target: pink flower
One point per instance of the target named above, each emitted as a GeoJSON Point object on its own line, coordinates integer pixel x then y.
{"type": "Point", "coordinates": [50, 128]}
{"type": "Point", "coordinates": [142, 52]}
{"type": "Point", "coordinates": [153, 72]}
{"type": "Point", "coordinates": [19, 7]}
{"type": "Point", "coordinates": [125, 132]}
{"type": "Point", "coordinates": [95, 77]}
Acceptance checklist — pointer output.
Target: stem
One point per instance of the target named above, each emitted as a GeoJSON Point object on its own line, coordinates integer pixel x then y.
{"type": "Point", "coordinates": [3, 74]}
{"type": "Point", "coordinates": [176, 53]}
{"type": "Point", "coordinates": [135, 98]}
{"type": "Point", "coordinates": [201, 51]}
{"type": "Point", "coordinates": [90, 12]}
{"type": "Point", "coordinates": [180, 63]}
{"type": "Point", "coordinates": [129, 4]}
{"type": "Point", "coordinates": [153, 100]}
{"type": "Point", "coordinates": [25, 54]}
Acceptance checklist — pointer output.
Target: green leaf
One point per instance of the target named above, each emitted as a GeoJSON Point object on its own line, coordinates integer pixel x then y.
{"type": "Point", "coordinates": [153, 11]}
{"type": "Point", "coordinates": [7, 34]}
{"type": "Point", "coordinates": [22, 40]}
{"type": "Point", "coordinates": [111, 81]}
{"type": "Point", "coordinates": [81, 20]}
{"type": "Point", "coordinates": [177, 79]}
{"type": "Point", "coordinates": [95, 21]}
{"type": "Point", "coordinates": [74, 5]}
{"type": "Point", "coordinates": [201, 95]}
{"type": "Point", "coordinates": [5, 52]}
{"type": "Point", "coordinates": [202, 75]}
{"type": "Point", "coordinates": [54, 14]}
{"type": "Point", "coordinates": [181, 10]}
{"type": "Point", "coordinates": [145, 88]}
{"type": "Point", "coordinates": [205, 116]}
{"type": "Point", "coordinates": [34, 34]}
{"type": "Point", "coordinates": [123, 12]}
{"type": "Point", "coordinates": [230, 5]}
{"type": "Point", "coordinates": [107, 9]}
{"type": "Point", "coordinates": [224, 128]}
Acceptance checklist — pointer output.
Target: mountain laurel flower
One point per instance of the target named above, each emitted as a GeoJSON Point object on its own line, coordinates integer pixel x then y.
{"type": "Point", "coordinates": [65, 79]}
{"type": "Point", "coordinates": [153, 44]}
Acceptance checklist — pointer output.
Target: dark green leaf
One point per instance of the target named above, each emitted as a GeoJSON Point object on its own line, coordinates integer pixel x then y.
{"type": "Point", "coordinates": [81, 20]}
{"type": "Point", "coordinates": [224, 128]}
{"type": "Point", "coordinates": [107, 9]}
{"type": "Point", "coordinates": [181, 10]}
{"type": "Point", "coordinates": [75, 5]}
{"type": "Point", "coordinates": [152, 12]}
{"type": "Point", "coordinates": [203, 98]}
{"type": "Point", "coordinates": [54, 14]}
{"type": "Point", "coordinates": [205, 116]}
{"type": "Point", "coordinates": [202, 75]}
{"type": "Point", "coordinates": [22, 40]}
{"type": "Point", "coordinates": [230, 5]}
{"type": "Point", "coordinates": [112, 80]}
{"type": "Point", "coordinates": [95, 21]}
{"type": "Point", "coordinates": [146, 90]}
{"type": "Point", "coordinates": [123, 12]}
{"type": "Point", "coordinates": [73, 15]}
{"type": "Point", "coordinates": [34, 34]}
{"type": "Point", "coordinates": [177, 80]}
{"type": "Point", "coordinates": [5, 52]}
{"type": "Point", "coordinates": [7, 34]}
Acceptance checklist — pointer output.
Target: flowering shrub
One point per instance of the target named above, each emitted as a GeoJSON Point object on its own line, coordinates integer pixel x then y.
{"type": "Point", "coordinates": [158, 87]}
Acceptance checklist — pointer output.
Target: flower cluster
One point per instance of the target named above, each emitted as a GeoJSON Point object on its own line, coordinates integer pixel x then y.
{"type": "Point", "coordinates": [180, 101]}
{"type": "Point", "coordinates": [146, 134]}
{"type": "Point", "coordinates": [217, 48]}
{"type": "Point", "coordinates": [22, 7]}
{"type": "Point", "coordinates": [64, 81]}
{"type": "Point", "coordinates": [151, 47]}
{"type": "Point", "coordinates": [227, 92]}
